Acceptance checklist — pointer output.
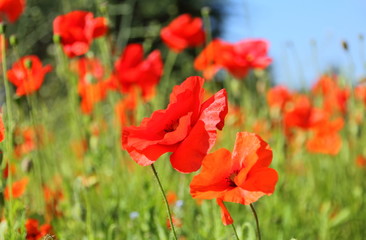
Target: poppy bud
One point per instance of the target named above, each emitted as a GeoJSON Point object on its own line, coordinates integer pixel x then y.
{"type": "Point", "coordinates": [205, 11]}
{"type": "Point", "coordinates": [13, 40]}
{"type": "Point", "coordinates": [103, 8]}
{"type": "Point", "coordinates": [28, 63]}
{"type": "Point", "coordinates": [345, 45]}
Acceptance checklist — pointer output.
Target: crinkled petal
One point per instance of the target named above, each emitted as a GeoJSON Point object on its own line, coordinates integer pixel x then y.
{"type": "Point", "coordinates": [212, 180]}
{"type": "Point", "coordinates": [225, 215]}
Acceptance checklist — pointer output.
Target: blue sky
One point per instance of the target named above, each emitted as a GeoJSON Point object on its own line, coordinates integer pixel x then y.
{"type": "Point", "coordinates": [292, 28]}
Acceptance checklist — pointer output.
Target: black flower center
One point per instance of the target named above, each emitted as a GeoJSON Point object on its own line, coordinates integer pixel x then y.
{"type": "Point", "coordinates": [171, 126]}
{"type": "Point", "coordinates": [231, 178]}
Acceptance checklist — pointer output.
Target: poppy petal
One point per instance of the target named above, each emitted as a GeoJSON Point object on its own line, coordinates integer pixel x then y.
{"type": "Point", "coordinates": [211, 181]}
{"type": "Point", "coordinates": [225, 215]}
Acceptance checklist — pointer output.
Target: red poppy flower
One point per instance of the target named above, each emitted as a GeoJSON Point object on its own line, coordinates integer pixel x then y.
{"type": "Point", "coordinates": [17, 189]}
{"type": "Point", "coordinates": [9, 169]}
{"type": "Point", "coordinates": [326, 139]}
{"type": "Point", "coordinates": [36, 232]}
{"type": "Point", "coordinates": [183, 32]}
{"type": "Point", "coordinates": [28, 139]}
{"type": "Point", "coordinates": [361, 161]}
{"type": "Point", "coordinates": [253, 53]}
{"type": "Point", "coordinates": [11, 9]}
{"type": "Point", "coordinates": [278, 96]}
{"type": "Point", "coordinates": [92, 88]}
{"type": "Point", "coordinates": [132, 70]}
{"type": "Point", "coordinates": [177, 222]}
{"type": "Point", "coordinates": [52, 199]}
{"type": "Point", "coordinates": [241, 177]}
{"type": "Point", "coordinates": [77, 30]}
{"type": "Point", "coordinates": [212, 58]}
{"type": "Point", "coordinates": [28, 74]}
{"type": "Point", "coordinates": [171, 197]}
{"type": "Point", "coordinates": [125, 109]}
{"type": "Point", "coordinates": [360, 93]}
{"type": "Point", "coordinates": [303, 115]}
{"type": "Point", "coordinates": [334, 96]}
{"type": "Point", "coordinates": [187, 127]}
{"type": "Point", "coordinates": [236, 58]}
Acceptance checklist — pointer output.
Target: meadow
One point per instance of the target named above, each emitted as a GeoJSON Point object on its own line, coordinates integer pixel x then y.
{"type": "Point", "coordinates": [115, 131]}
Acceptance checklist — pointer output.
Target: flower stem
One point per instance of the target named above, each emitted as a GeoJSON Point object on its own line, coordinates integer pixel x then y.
{"type": "Point", "coordinates": [9, 130]}
{"type": "Point", "coordinates": [256, 220]}
{"type": "Point", "coordinates": [166, 83]}
{"type": "Point", "coordinates": [234, 229]}
{"type": "Point", "coordinates": [205, 12]}
{"type": "Point", "coordinates": [165, 201]}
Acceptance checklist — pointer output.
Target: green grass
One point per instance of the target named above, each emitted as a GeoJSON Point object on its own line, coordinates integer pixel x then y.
{"type": "Point", "coordinates": [317, 196]}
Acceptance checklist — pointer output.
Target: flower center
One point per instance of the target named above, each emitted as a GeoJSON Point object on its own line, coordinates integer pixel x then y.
{"type": "Point", "coordinates": [231, 178]}
{"type": "Point", "coordinates": [171, 126]}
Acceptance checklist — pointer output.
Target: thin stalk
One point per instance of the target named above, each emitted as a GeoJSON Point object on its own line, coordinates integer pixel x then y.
{"type": "Point", "coordinates": [32, 103]}
{"type": "Point", "coordinates": [124, 31]}
{"type": "Point", "coordinates": [205, 12]}
{"type": "Point", "coordinates": [256, 221]}
{"type": "Point", "coordinates": [169, 64]}
{"type": "Point", "coordinates": [9, 124]}
{"type": "Point", "coordinates": [165, 201]}
{"type": "Point", "coordinates": [235, 233]}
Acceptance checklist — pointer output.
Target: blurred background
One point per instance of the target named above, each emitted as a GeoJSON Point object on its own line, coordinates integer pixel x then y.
{"type": "Point", "coordinates": [305, 37]}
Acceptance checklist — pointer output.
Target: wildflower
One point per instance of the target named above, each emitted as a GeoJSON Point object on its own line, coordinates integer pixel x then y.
{"type": "Point", "coordinates": [134, 215]}
{"type": "Point", "coordinates": [187, 127]}
{"type": "Point", "coordinates": [17, 189]}
{"type": "Point", "coordinates": [303, 115]}
{"type": "Point", "coordinates": [11, 9]}
{"type": "Point", "coordinates": [36, 232]}
{"type": "Point", "coordinates": [278, 97]}
{"type": "Point", "coordinates": [334, 96]}
{"type": "Point", "coordinates": [91, 88]}
{"type": "Point", "coordinates": [131, 70]}
{"type": "Point", "coordinates": [240, 177]}
{"type": "Point", "coordinates": [52, 199]}
{"type": "Point", "coordinates": [236, 58]}
{"type": "Point", "coordinates": [171, 197]}
{"type": "Point", "coordinates": [360, 93]}
{"type": "Point", "coordinates": [125, 109]}
{"type": "Point", "coordinates": [361, 161]}
{"type": "Point", "coordinates": [27, 139]}
{"type": "Point", "coordinates": [176, 221]}
{"type": "Point", "coordinates": [326, 139]}
{"type": "Point", "coordinates": [77, 30]}
{"type": "Point", "coordinates": [183, 32]}
{"type": "Point", "coordinates": [28, 74]}
{"type": "Point", "coordinates": [9, 169]}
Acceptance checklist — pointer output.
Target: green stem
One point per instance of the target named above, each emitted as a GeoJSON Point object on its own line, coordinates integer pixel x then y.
{"type": "Point", "coordinates": [124, 31]}
{"type": "Point", "coordinates": [256, 220]}
{"type": "Point", "coordinates": [32, 103]}
{"type": "Point", "coordinates": [234, 229]}
{"type": "Point", "coordinates": [205, 12]}
{"type": "Point", "coordinates": [165, 201]}
{"type": "Point", "coordinates": [10, 125]}
{"type": "Point", "coordinates": [166, 83]}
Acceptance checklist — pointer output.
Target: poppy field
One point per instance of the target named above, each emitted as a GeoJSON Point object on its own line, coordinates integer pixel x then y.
{"type": "Point", "coordinates": [173, 134]}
